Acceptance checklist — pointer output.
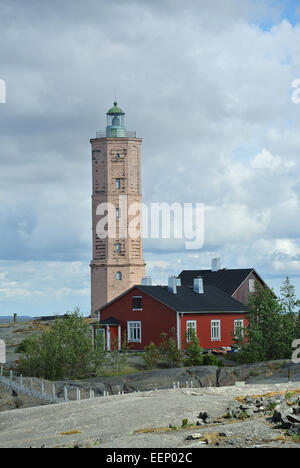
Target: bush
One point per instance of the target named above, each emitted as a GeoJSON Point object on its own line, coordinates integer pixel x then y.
{"type": "Point", "coordinates": [193, 351]}
{"type": "Point", "coordinates": [168, 349]}
{"type": "Point", "coordinates": [272, 327]}
{"type": "Point", "coordinates": [24, 347]}
{"type": "Point", "coordinates": [118, 358]}
{"type": "Point", "coordinates": [64, 352]}
{"type": "Point", "coordinates": [151, 355]}
{"type": "Point", "coordinates": [211, 360]}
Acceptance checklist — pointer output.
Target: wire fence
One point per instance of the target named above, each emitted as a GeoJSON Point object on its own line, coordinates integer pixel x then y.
{"type": "Point", "coordinates": [16, 383]}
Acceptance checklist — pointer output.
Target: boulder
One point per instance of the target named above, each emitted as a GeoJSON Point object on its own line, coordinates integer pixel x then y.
{"type": "Point", "coordinates": [293, 418]}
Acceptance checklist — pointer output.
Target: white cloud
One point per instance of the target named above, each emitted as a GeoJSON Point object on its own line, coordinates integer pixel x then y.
{"type": "Point", "coordinates": [267, 161]}
{"type": "Point", "coordinates": [209, 93]}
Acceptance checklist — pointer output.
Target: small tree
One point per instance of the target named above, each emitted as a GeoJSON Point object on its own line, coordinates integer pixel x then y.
{"type": "Point", "coordinates": [297, 327]}
{"type": "Point", "coordinates": [270, 331]}
{"type": "Point", "coordinates": [119, 357]}
{"type": "Point", "coordinates": [125, 349]}
{"type": "Point", "coordinates": [151, 355]}
{"type": "Point", "coordinates": [193, 351]}
{"type": "Point", "coordinates": [63, 352]}
{"type": "Point", "coordinates": [288, 299]}
{"type": "Point", "coordinates": [168, 349]}
{"type": "Point", "coordinates": [115, 355]}
{"type": "Point", "coordinates": [100, 353]}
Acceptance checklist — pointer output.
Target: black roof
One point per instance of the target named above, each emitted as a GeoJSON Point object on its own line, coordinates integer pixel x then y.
{"type": "Point", "coordinates": [109, 321]}
{"type": "Point", "coordinates": [186, 300]}
{"type": "Point", "coordinates": [226, 280]}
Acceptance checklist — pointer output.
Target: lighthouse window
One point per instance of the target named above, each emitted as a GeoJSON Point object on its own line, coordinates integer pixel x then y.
{"type": "Point", "coordinates": [116, 121]}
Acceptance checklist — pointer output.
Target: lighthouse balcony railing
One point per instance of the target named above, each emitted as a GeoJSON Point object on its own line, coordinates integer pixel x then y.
{"type": "Point", "coordinates": [125, 134]}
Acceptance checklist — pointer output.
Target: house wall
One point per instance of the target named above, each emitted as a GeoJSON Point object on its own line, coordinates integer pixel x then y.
{"type": "Point", "coordinates": [203, 322]}
{"type": "Point", "coordinates": [242, 293]}
{"type": "Point", "coordinates": [155, 317]}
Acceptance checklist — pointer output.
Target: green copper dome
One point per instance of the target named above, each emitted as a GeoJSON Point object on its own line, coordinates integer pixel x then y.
{"type": "Point", "coordinates": [115, 110]}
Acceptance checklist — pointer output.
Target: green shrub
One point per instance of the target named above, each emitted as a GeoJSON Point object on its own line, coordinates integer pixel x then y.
{"type": "Point", "coordinates": [64, 352]}
{"type": "Point", "coordinates": [272, 326]}
{"type": "Point", "coordinates": [168, 349]}
{"type": "Point", "coordinates": [193, 351]}
{"type": "Point", "coordinates": [151, 355]}
{"type": "Point", "coordinates": [211, 360]}
{"type": "Point", "coordinates": [25, 346]}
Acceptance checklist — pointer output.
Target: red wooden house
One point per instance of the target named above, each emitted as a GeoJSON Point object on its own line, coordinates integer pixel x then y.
{"type": "Point", "coordinates": [144, 312]}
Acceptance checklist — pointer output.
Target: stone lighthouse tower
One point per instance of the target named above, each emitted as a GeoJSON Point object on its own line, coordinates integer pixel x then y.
{"type": "Point", "coordinates": [117, 262]}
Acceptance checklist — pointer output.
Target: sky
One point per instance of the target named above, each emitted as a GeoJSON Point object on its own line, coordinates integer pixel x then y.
{"type": "Point", "coordinates": [207, 85]}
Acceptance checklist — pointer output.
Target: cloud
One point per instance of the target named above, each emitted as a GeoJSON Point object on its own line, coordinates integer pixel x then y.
{"type": "Point", "coordinates": [267, 162]}
{"type": "Point", "coordinates": [209, 93]}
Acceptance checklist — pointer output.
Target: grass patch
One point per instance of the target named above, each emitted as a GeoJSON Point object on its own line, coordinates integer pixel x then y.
{"type": "Point", "coordinates": [127, 370]}
{"type": "Point", "coordinates": [153, 430]}
{"type": "Point", "coordinates": [70, 432]}
{"type": "Point", "coordinates": [284, 393]}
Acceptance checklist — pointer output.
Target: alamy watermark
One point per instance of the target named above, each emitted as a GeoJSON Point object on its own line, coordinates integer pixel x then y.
{"type": "Point", "coordinates": [160, 221]}
{"type": "Point", "coordinates": [296, 353]}
{"type": "Point", "coordinates": [2, 352]}
{"type": "Point", "coordinates": [296, 92]}
{"type": "Point", "coordinates": [2, 92]}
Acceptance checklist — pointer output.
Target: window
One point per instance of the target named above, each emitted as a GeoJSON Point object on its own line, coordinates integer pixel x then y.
{"type": "Point", "coordinates": [238, 328]}
{"type": "Point", "coordinates": [215, 330]}
{"type": "Point", "coordinates": [137, 303]}
{"type": "Point", "coordinates": [118, 276]}
{"type": "Point", "coordinates": [251, 285]}
{"type": "Point", "coordinates": [190, 328]}
{"type": "Point", "coordinates": [134, 332]}
{"type": "Point", "coordinates": [118, 213]}
{"type": "Point", "coordinates": [118, 156]}
{"type": "Point", "coordinates": [115, 121]}
{"type": "Point", "coordinates": [118, 248]}
{"type": "Point", "coordinates": [118, 184]}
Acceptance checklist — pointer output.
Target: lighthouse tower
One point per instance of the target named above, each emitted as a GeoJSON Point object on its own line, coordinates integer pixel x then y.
{"type": "Point", "coordinates": [117, 262]}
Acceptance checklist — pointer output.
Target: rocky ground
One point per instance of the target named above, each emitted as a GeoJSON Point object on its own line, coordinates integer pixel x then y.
{"type": "Point", "coordinates": [224, 417]}
{"type": "Point", "coordinates": [10, 400]}
{"type": "Point", "coordinates": [235, 406]}
{"type": "Point", "coordinates": [14, 333]}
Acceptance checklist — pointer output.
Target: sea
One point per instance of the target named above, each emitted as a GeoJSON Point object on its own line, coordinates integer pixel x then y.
{"type": "Point", "coordinates": [10, 319]}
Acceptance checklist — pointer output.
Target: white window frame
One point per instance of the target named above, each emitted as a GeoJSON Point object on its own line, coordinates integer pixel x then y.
{"type": "Point", "coordinates": [138, 297]}
{"type": "Point", "coordinates": [213, 328]}
{"type": "Point", "coordinates": [241, 327]}
{"type": "Point", "coordinates": [134, 325]}
{"type": "Point", "coordinates": [251, 285]}
{"type": "Point", "coordinates": [190, 324]}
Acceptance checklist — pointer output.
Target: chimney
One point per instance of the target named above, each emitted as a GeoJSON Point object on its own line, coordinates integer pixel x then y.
{"type": "Point", "coordinates": [198, 285]}
{"type": "Point", "coordinates": [172, 284]}
{"type": "Point", "coordinates": [147, 281]}
{"type": "Point", "coordinates": [216, 264]}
